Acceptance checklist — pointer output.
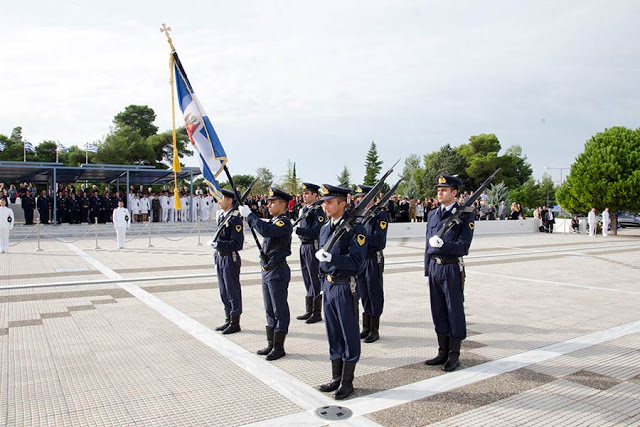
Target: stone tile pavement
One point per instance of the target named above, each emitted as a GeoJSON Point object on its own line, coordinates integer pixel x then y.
{"type": "Point", "coordinates": [108, 337]}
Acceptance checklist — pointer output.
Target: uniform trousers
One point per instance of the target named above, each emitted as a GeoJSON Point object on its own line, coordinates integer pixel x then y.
{"type": "Point", "coordinates": [341, 322]}
{"type": "Point", "coordinates": [275, 291]}
{"type": "Point", "coordinates": [4, 240]}
{"type": "Point", "coordinates": [447, 300]}
{"type": "Point", "coordinates": [121, 233]}
{"type": "Point", "coordinates": [229, 282]}
{"type": "Point", "coordinates": [309, 268]}
{"type": "Point", "coordinates": [370, 287]}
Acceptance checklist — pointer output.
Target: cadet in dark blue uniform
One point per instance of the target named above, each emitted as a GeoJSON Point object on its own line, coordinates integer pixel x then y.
{"type": "Point", "coordinates": [94, 206]}
{"type": "Point", "coordinates": [370, 280]}
{"type": "Point", "coordinates": [27, 206]}
{"type": "Point", "coordinates": [44, 204]}
{"type": "Point", "coordinates": [228, 264]}
{"type": "Point", "coordinates": [445, 270]}
{"type": "Point", "coordinates": [309, 230]}
{"type": "Point", "coordinates": [276, 273]}
{"type": "Point", "coordinates": [338, 269]}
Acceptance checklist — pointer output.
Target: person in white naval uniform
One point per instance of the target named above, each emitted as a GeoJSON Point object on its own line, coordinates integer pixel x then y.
{"type": "Point", "coordinates": [606, 220]}
{"type": "Point", "coordinates": [121, 222]}
{"type": "Point", "coordinates": [592, 222]}
{"type": "Point", "coordinates": [6, 225]}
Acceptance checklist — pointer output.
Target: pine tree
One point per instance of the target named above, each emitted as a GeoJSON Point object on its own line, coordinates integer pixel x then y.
{"type": "Point", "coordinates": [344, 179]}
{"type": "Point", "coordinates": [372, 165]}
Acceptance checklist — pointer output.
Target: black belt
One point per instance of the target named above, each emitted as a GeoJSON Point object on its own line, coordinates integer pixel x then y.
{"type": "Point", "coordinates": [273, 267]}
{"type": "Point", "coordinates": [227, 253]}
{"type": "Point", "coordinates": [308, 242]}
{"type": "Point", "coordinates": [441, 260]}
{"type": "Point", "coordinates": [338, 279]}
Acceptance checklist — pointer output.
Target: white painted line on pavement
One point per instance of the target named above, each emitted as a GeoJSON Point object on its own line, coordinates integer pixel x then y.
{"type": "Point", "coordinates": [551, 282]}
{"type": "Point", "coordinates": [365, 405]}
{"type": "Point", "coordinates": [285, 384]}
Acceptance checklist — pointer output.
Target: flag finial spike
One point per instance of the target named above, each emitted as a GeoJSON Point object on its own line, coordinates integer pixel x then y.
{"type": "Point", "coordinates": [164, 29]}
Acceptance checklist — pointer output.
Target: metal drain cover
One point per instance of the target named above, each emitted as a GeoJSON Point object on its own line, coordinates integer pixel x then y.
{"type": "Point", "coordinates": [334, 412]}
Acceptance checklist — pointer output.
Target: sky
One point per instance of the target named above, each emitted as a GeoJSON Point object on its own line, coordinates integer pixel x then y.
{"type": "Point", "coordinates": [316, 82]}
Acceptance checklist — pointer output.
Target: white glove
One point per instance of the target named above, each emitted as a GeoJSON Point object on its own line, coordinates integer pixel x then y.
{"type": "Point", "coordinates": [213, 244]}
{"type": "Point", "coordinates": [323, 256]}
{"type": "Point", "coordinates": [435, 242]}
{"type": "Point", "coordinates": [244, 210]}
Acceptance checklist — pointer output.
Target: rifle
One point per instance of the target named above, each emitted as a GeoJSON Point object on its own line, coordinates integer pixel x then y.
{"type": "Point", "coordinates": [234, 211]}
{"type": "Point", "coordinates": [371, 213]}
{"type": "Point", "coordinates": [456, 213]}
{"type": "Point", "coordinates": [358, 212]}
{"type": "Point", "coordinates": [315, 205]}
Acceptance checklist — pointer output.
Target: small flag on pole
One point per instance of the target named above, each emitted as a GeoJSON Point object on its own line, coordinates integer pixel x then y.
{"type": "Point", "coordinates": [2, 146]}
{"type": "Point", "coordinates": [29, 147]}
{"type": "Point", "coordinates": [91, 148]}
{"type": "Point", "coordinates": [62, 148]}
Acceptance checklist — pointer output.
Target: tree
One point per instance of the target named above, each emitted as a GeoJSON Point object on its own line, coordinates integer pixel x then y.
{"type": "Point", "coordinates": [291, 183]}
{"type": "Point", "coordinates": [139, 118]}
{"type": "Point", "coordinates": [162, 146]}
{"type": "Point", "coordinates": [265, 180]}
{"type": "Point", "coordinates": [344, 179]}
{"type": "Point", "coordinates": [410, 179]}
{"type": "Point", "coordinates": [46, 151]}
{"type": "Point", "coordinates": [372, 165]}
{"type": "Point", "coordinates": [497, 193]}
{"type": "Point", "coordinates": [607, 173]}
{"type": "Point", "coordinates": [445, 160]}
{"type": "Point", "coordinates": [528, 194]}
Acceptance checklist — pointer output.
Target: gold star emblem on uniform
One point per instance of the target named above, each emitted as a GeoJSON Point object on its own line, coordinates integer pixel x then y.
{"type": "Point", "coordinates": [320, 219]}
{"type": "Point", "coordinates": [279, 223]}
{"type": "Point", "coordinates": [383, 224]}
{"type": "Point", "coordinates": [238, 228]}
{"type": "Point", "coordinates": [270, 193]}
{"type": "Point", "coordinates": [442, 179]}
{"type": "Point", "coordinates": [472, 225]}
{"type": "Point", "coordinates": [360, 239]}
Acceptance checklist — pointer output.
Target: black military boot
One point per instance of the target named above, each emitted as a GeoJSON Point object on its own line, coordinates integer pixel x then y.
{"type": "Point", "coordinates": [373, 332]}
{"type": "Point", "coordinates": [308, 302]}
{"type": "Point", "coordinates": [317, 309]}
{"type": "Point", "coordinates": [336, 371]}
{"type": "Point", "coordinates": [227, 320]}
{"type": "Point", "coordinates": [443, 351]}
{"type": "Point", "coordinates": [454, 356]}
{"type": "Point", "coordinates": [234, 326]}
{"type": "Point", "coordinates": [366, 322]}
{"type": "Point", "coordinates": [278, 347]}
{"type": "Point", "coordinates": [269, 346]}
{"type": "Point", "coordinates": [346, 384]}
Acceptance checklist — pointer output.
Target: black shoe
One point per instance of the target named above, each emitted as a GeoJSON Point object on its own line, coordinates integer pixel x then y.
{"type": "Point", "coordinates": [234, 326]}
{"type": "Point", "coordinates": [269, 346]}
{"type": "Point", "coordinates": [366, 322]}
{"type": "Point", "coordinates": [454, 356]}
{"type": "Point", "coordinates": [278, 347]}
{"type": "Point", "coordinates": [373, 333]}
{"type": "Point", "coordinates": [227, 320]}
{"type": "Point", "coordinates": [317, 309]}
{"type": "Point", "coordinates": [443, 351]}
{"type": "Point", "coordinates": [346, 384]}
{"type": "Point", "coordinates": [336, 376]}
{"type": "Point", "coordinates": [308, 302]}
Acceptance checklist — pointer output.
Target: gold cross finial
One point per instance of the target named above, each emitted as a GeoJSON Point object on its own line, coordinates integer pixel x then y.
{"type": "Point", "coordinates": [166, 30]}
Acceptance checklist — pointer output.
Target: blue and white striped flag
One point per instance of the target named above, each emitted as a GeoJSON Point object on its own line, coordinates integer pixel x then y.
{"type": "Point", "coordinates": [2, 146]}
{"type": "Point", "coordinates": [62, 148]}
{"type": "Point", "coordinates": [29, 147]}
{"type": "Point", "coordinates": [91, 148]}
{"type": "Point", "coordinates": [209, 150]}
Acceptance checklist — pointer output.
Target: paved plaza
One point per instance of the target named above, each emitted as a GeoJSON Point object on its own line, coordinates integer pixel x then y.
{"type": "Point", "coordinates": [125, 337]}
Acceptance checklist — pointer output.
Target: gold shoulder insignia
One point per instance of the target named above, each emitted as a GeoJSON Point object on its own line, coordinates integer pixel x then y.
{"type": "Point", "coordinates": [472, 225]}
{"type": "Point", "coordinates": [238, 228]}
{"type": "Point", "coordinates": [360, 238]}
{"type": "Point", "coordinates": [320, 219]}
{"type": "Point", "coordinates": [383, 224]}
{"type": "Point", "coordinates": [279, 223]}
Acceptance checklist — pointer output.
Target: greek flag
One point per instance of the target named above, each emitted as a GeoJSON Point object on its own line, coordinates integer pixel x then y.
{"type": "Point", "coordinates": [91, 148]}
{"type": "Point", "coordinates": [62, 148]}
{"type": "Point", "coordinates": [2, 147]}
{"type": "Point", "coordinates": [204, 139]}
{"type": "Point", "coordinates": [29, 147]}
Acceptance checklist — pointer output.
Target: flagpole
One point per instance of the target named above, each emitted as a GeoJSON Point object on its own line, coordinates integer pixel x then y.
{"type": "Point", "coordinates": [24, 150]}
{"type": "Point", "coordinates": [57, 152]}
{"type": "Point", "coordinates": [86, 152]}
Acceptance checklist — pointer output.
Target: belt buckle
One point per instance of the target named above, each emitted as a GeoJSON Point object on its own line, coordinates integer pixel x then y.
{"type": "Point", "coordinates": [438, 260]}
{"type": "Point", "coordinates": [330, 278]}
{"type": "Point", "coordinates": [264, 268]}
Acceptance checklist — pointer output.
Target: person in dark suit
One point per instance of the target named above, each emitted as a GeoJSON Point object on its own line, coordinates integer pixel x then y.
{"type": "Point", "coordinates": [27, 207]}
{"type": "Point", "coordinates": [43, 203]}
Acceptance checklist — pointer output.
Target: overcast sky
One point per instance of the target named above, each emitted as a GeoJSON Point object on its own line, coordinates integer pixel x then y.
{"type": "Point", "coordinates": [315, 82]}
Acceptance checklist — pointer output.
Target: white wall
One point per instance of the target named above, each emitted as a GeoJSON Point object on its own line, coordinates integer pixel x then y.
{"type": "Point", "coordinates": [417, 229]}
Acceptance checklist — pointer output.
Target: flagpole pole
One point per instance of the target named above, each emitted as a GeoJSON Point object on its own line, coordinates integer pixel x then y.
{"type": "Point", "coordinates": [86, 152]}
{"type": "Point", "coordinates": [24, 151]}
